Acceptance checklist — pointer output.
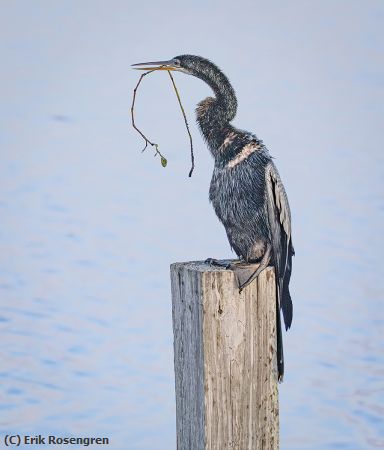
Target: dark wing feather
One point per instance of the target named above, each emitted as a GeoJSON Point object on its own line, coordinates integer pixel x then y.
{"type": "Point", "coordinates": [279, 216]}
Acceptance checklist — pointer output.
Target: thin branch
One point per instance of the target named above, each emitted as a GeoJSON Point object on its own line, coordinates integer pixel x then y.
{"type": "Point", "coordinates": [186, 123]}
{"type": "Point", "coordinates": [147, 141]}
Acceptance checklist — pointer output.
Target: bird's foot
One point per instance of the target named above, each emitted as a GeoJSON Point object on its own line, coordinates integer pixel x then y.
{"type": "Point", "coordinates": [263, 265]}
{"type": "Point", "coordinates": [217, 263]}
{"type": "Point", "coordinates": [252, 277]}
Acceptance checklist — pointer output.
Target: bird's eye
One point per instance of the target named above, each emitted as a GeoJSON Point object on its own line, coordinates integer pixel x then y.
{"type": "Point", "coordinates": [176, 62]}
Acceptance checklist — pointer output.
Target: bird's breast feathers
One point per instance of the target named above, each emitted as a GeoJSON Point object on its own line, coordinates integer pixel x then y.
{"type": "Point", "coordinates": [244, 154]}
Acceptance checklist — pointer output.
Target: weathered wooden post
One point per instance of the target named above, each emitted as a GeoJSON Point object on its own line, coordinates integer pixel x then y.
{"type": "Point", "coordinates": [225, 359]}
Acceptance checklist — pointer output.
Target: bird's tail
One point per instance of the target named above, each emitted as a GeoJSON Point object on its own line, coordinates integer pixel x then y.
{"type": "Point", "coordinates": [284, 302]}
{"type": "Point", "coordinates": [280, 353]}
{"type": "Point", "coordinates": [285, 296]}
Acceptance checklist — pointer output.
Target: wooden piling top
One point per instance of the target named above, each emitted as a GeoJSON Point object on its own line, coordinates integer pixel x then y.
{"type": "Point", "coordinates": [225, 359]}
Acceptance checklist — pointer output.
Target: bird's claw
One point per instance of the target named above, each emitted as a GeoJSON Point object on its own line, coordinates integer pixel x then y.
{"type": "Point", "coordinates": [216, 262]}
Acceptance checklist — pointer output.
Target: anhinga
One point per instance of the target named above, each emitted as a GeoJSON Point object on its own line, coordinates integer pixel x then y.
{"type": "Point", "coordinates": [246, 191]}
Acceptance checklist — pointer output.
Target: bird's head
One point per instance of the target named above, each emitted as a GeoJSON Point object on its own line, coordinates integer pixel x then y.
{"type": "Point", "coordinates": [223, 108]}
{"type": "Point", "coordinates": [188, 64]}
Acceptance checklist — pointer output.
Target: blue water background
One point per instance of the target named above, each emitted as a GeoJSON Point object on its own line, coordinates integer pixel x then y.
{"type": "Point", "coordinates": [89, 225]}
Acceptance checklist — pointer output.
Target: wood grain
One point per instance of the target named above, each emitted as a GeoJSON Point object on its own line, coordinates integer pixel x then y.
{"type": "Point", "coordinates": [225, 359]}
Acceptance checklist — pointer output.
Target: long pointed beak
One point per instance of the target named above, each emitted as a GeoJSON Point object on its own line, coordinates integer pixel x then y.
{"type": "Point", "coordinates": [156, 65]}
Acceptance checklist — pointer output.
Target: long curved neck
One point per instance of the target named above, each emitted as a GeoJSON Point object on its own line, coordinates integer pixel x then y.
{"type": "Point", "coordinates": [214, 114]}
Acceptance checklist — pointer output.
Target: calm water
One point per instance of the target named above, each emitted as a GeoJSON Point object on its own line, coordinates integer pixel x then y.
{"type": "Point", "coordinates": [89, 225]}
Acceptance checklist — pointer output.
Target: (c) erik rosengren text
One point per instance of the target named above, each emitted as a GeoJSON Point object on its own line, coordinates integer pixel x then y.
{"type": "Point", "coordinates": [17, 439]}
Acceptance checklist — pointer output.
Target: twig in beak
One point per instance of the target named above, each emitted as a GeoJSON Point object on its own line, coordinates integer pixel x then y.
{"type": "Point", "coordinates": [147, 141]}
{"type": "Point", "coordinates": [186, 123]}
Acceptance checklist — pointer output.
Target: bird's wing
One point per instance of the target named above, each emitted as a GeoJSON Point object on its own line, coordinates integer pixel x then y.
{"type": "Point", "coordinates": [279, 216]}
